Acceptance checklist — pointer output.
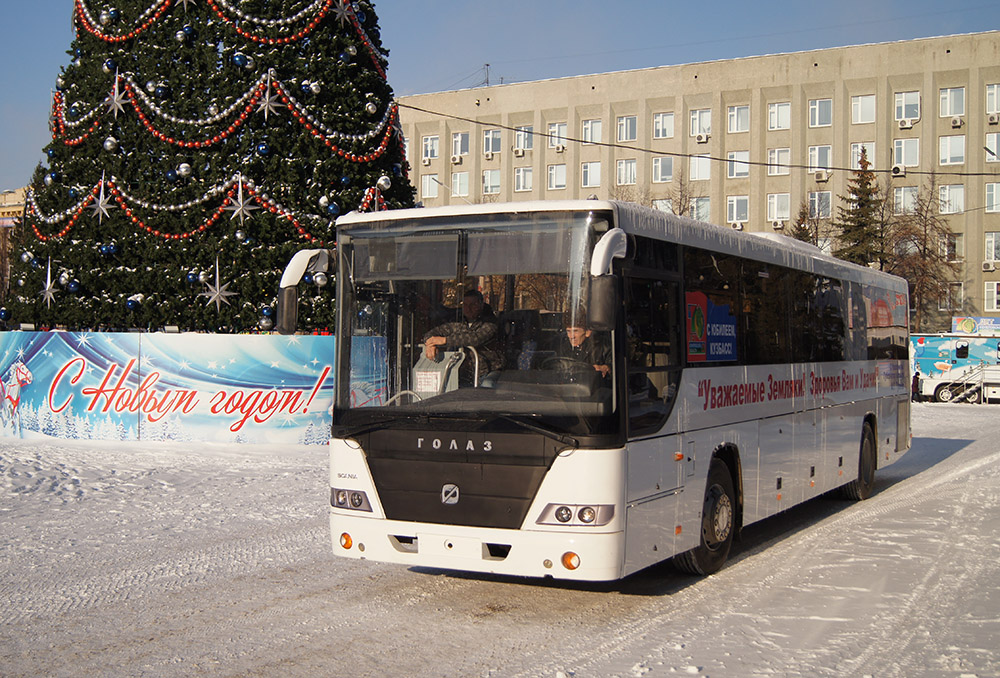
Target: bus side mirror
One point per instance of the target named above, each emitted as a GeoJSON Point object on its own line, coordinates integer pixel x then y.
{"type": "Point", "coordinates": [603, 302]}
{"type": "Point", "coordinates": [288, 310]}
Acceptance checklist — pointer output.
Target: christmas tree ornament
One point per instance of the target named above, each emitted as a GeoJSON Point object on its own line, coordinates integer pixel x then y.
{"type": "Point", "coordinates": [361, 16]}
{"type": "Point", "coordinates": [184, 170]}
{"type": "Point", "coordinates": [213, 110]}
{"type": "Point", "coordinates": [185, 3]}
{"type": "Point", "coordinates": [150, 86]}
{"type": "Point", "coordinates": [110, 144]}
{"type": "Point", "coordinates": [27, 256]}
{"type": "Point", "coordinates": [180, 36]}
{"type": "Point", "coordinates": [63, 278]}
{"type": "Point", "coordinates": [324, 202]}
{"type": "Point", "coordinates": [204, 276]}
{"type": "Point", "coordinates": [305, 87]}
{"type": "Point", "coordinates": [191, 277]}
{"type": "Point", "coordinates": [188, 30]}
{"type": "Point", "coordinates": [241, 235]}
{"type": "Point", "coordinates": [307, 278]}
{"type": "Point", "coordinates": [217, 293]}
{"type": "Point", "coordinates": [116, 100]}
{"type": "Point", "coordinates": [267, 312]}
{"type": "Point", "coordinates": [352, 50]}
{"type": "Point", "coordinates": [384, 183]}
{"type": "Point", "coordinates": [73, 286]}
{"type": "Point", "coordinates": [250, 63]}
{"type": "Point", "coordinates": [48, 293]}
{"type": "Point", "coordinates": [133, 304]}
{"type": "Point", "coordinates": [171, 175]}
{"type": "Point", "coordinates": [241, 207]}
{"type": "Point", "coordinates": [114, 13]}
{"type": "Point", "coordinates": [240, 59]}
{"type": "Point", "coordinates": [110, 66]}
{"type": "Point", "coordinates": [60, 82]}
{"type": "Point", "coordinates": [101, 204]}
{"type": "Point", "coordinates": [263, 149]}
{"type": "Point", "coordinates": [345, 180]}
{"type": "Point", "coordinates": [265, 324]}
{"type": "Point", "coordinates": [162, 91]}
{"type": "Point", "coordinates": [344, 58]}
{"type": "Point", "coordinates": [105, 18]}
{"type": "Point", "coordinates": [320, 279]}
{"type": "Point", "coordinates": [371, 108]}
{"type": "Point", "coordinates": [333, 209]}
{"type": "Point", "coordinates": [315, 87]}
{"type": "Point", "coordinates": [112, 248]}
{"type": "Point", "coordinates": [4, 314]}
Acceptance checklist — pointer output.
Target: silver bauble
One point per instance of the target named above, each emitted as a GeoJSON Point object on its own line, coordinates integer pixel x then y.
{"type": "Point", "coordinates": [371, 108]}
{"type": "Point", "coordinates": [184, 170]}
{"type": "Point", "coordinates": [64, 278]}
{"type": "Point", "coordinates": [241, 235]}
{"type": "Point", "coordinates": [250, 63]}
{"type": "Point", "coordinates": [265, 323]}
{"type": "Point", "coordinates": [384, 183]}
{"type": "Point", "coordinates": [27, 256]}
{"type": "Point", "coordinates": [315, 87]}
{"type": "Point", "coordinates": [352, 50]}
{"type": "Point", "coordinates": [105, 18]}
{"type": "Point", "coordinates": [324, 202]}
{"type": "Point", "coordinates": [180, 36]}
{"type": "Point", "coordinates": [204, 276]}
{"type": "Point", "coordinates": [213, 110]}
{"type": "Point", "coordinates": [320, 279]}
{"type": "Point", "coordinates": [110, 144]}
{"type": "Point", "coordinates": [150, 86]}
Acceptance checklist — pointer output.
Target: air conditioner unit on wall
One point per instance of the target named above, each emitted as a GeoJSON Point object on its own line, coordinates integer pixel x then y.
{"type": "Point", "coordinates": [518, 152]}
{"type": "Point", "coordinates": [993, 119]}
{"type": "Point", "coordinates": [821, 176]}
{"type": "Point", "coordinates": [737, 225]}
{"type": "Point", "coordinates": [560, 148]}
{"type": "Point", "coordinates": [778, 225]}
{"type": "Point", "coordinates": [906, 123]}
{"type": "Point", "coordinates": [989, 266]}
{"type": "Point", "coordinates": [488, 155]}
{"type": "Point", "coordinates": [898, 171]}
{"type": "Point", "coordinates": [426, 162]}
{"type": "Point", "coordinates": [701, 138]}
{"type": "Point", "coordinates": [956, 121]}
{"type": "Point", "coordinates": [456, 160]}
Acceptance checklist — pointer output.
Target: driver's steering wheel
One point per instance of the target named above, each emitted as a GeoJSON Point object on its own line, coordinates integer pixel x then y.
{"type": "Point", "coordinates": [567, 365]}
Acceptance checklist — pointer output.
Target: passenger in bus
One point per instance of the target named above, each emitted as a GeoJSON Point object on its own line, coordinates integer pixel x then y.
{"type": "Point", "coordinates": [479, 330]}
{"type": "Point", "coordinates": [582, 346]}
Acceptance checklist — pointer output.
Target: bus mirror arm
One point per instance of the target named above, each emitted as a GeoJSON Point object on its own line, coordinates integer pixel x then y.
{"type": "Point", "coordinates": [612, 245]}
{"type": "Point", "coordinates": [312, 261]}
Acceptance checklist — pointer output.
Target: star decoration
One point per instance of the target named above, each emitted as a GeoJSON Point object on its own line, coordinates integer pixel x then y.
{"type": "Point", "coordinates": [116, 100]}
{"type": "Point", "coordinates": [49, 293]}
{"type": "Point", "coordinates": [342, 12]}
{"type": "Point", "coordinates": [269, 104]}
{"type": "Point", "coordinates": [217, 292]}
{"type": "Point", "coordinates": [101, 204]}
{"type": "Point", "coordinates": [241, 207]}
{"type": "Point", "coordinates": [185, 3]}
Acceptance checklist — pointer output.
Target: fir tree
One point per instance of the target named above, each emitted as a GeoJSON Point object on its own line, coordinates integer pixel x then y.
{"type": "Point", "coordinates": [857, 218]}
{"type": "Point", "coordinates": [196, 146]}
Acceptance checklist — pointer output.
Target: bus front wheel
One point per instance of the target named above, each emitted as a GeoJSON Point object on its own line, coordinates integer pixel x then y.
{"type": "Point", "coordinates": [944, 394]}
{"type": "Point", "coordinates": [861, 487]}
{"type": "Point", "coordinates": [718, 524]}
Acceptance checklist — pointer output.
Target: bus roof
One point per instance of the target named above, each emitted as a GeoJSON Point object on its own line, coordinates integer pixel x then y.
{"type": "Point", "coordinates": [633, 218]}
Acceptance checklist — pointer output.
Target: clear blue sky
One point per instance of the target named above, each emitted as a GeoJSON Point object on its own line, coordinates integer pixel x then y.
{"type": "Point", "coordinates": [443, 44]}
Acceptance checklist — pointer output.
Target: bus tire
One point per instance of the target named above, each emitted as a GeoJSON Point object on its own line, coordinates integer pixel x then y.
{"type": "Point", "coordinates": [718, 524]}
{"type": "Point", "coordinates": [944, 394]}
{"type": "Point", "coordinates": [861, 487]}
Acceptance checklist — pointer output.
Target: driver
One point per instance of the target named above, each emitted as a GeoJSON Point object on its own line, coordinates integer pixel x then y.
{"type": "Point", "coordinates": [478, 330]}
{"type": "Point", "coordinates": [581, 346]}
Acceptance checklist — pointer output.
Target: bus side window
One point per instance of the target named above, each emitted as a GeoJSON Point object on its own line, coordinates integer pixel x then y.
{"type": "Point", "coordinates": [653, 360]}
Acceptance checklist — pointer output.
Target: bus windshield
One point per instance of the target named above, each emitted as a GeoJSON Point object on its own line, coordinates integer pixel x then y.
{"type": "Point", "coordinates": [472, 316]}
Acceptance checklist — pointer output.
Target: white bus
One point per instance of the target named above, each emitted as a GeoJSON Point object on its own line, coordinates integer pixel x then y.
{"type": "Point", "coordinates": [745, 373]}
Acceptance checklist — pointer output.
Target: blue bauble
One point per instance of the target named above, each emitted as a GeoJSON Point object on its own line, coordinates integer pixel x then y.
{"type": "Point", "coordinates": [114, 14]}
{"type": "Point", "coordinates": [171, 176]}
{"type": "Point", "coordinates": [361, 16]}
{"type": "Point", "coordinates": [103, 249]}
{"type": "Point", "coordinates": [110, 65]}
{"type": "Point", "coordinates": [397, 169]}
{"type": "Point", "coordinates": [345, 180]}
{"type": "Point", "coordinates": [4, 314]}
{"type": "Point", "coordinates": [51, 153]}
{"type": "Point", "coordinates": [188, 30]}
{"type": "Point", "coordinates": [306, 87]}
{"type": "Point", "coordinates": [263, 148]}
{"type": "Point", "coordinates": [307, 278]}
{"type": "Point", "coordinates": [73, 194]}
{"type": "Point", "coordinates": [344, 57]}
{"type": "Point", "coordinates": [73, 286]}
{"type": "Point", "coordinates": [191, 277]}
{"type": "Point", "coordinates": [240, 59]}
{"type": "Point", "coordinates": [267, 311]}
{"type": "Point", "coordinates": [162, 91]}
{"type": "Point", "coordinates": [333, 209]}
{"type": "Point", "coordinates": [132, 304]}
{"type": "Point", "coordinates": [112, 248]}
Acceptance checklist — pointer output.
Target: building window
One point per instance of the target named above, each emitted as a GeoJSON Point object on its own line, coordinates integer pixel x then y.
{"type": "Point", "coordinates": [951, 199]}
{"type": "Point", "coordinates": [820, 158]}
{"type": "Point", "coordinates": [907, 105]}
{"type": "Point", "coordinates": [951, 297]}
{"type": "Point", "coordinates": [592, 131]}
{"type": "Point", "coordinates": [663, 125]}
{"type": "Point", "coordinates": [779, 115]}
{"type": "Point", "coordinates": [460, 184]}
{"type": "Point", "coordinates": [991, 296]}
{"type": "Point", "coordinates": [491, 182]}
{"type": "Point", "coordinates": [627, 128]}
{"type": "Point", "coordinates": [778, 160]}
{"type": "Point", "coordinates": [430, 146]}
{"type": "Point", "coordinates": [869, 147]}
{"type": "Point", "coordinates": [557, 134]}
{"type": "Point", "coordinates": [993, 246]}
{"type": "Point", "coordinates": [904, 199]}
{"type": "Point", "coordinates": [700, 168]}
{"type": "Point", "coordinates": [701, 121]}
{"type": "Point", "coordinates": [906, 152]}
{"type": "Point", "coordinates": [429, 186]}
{"type": "Point", "coordinates": [952, 101]}
{"type": "Point", "coordinates": [738, 164]}
{"type": "Point", "coordinates": [992, 99]}
{"type": "Point", "coordinates": [993, 197]}
{"type": "Point", "coordinates": [663, 169]}
{"type": "Point", "coordinates": [993, 147]}
{"type": "Point", "coordinates": [626, 172]}
{"type": "Point", "coordinates": [952, 246]}
{"type": "Point", "coordinates": [523, 179]}
{"type": "Point", "coordinates": [664, 205]}
{"type": "Point", "coordinates": [701, 209]}
{"type": "Point", "coordinates": [820, 112]}
{"type": "Point", "coordinates": [952, 150]}
{"type": "Point", "coordinates": [819, 204]}
{"type": "Point", "coordinates": [737, 208]}
{"type": "Point", "coordinates": [739, 118]}
{"type": "Point", "coordinates": [557, 177]}
{"type": "Point", "coordinates": [524, 137]}
{"type": "Point", "coordinates": [460, 143]}
{"type": "Point", "coordinates": [863, 109]}
{"type": "Point", "coordinates": [491, 141]}
{"type": "Point", "coordinates": [778, 206]}
{"type": "Point", "coordinates": [591, 173]}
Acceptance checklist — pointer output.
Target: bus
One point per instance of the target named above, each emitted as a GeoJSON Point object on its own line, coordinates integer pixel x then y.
{"type": "Point", "coordinates": [956, 367]}
{"type": "Point", "coordinates": [745, 373]}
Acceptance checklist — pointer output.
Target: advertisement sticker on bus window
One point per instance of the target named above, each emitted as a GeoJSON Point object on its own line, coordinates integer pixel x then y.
{"type": "Point", "coordinates": [711, 330]}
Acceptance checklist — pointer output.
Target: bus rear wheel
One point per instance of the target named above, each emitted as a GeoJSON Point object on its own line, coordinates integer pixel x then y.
{"type": "Point", "coordinates": [718, 524]}
{"type": "Point", "coordinates": [861, 487]}
{"type": "Point", "coordinates": [944, 394]}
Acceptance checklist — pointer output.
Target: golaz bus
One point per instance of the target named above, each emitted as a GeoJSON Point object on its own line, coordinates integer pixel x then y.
{"type": "Point", "coordinates": [746, 373]}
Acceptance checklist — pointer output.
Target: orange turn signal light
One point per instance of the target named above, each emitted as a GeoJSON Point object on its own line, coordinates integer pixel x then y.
{"type": "Point", "coordinates": [570, 560]}
{"type": "Point", "coordinates": [346, 541]}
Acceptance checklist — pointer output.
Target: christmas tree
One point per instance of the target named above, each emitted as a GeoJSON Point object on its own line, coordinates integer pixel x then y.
{"type": "Point", "coordinates": [196, 146]}
{"type": "Point", "coordinates": [858, 219]}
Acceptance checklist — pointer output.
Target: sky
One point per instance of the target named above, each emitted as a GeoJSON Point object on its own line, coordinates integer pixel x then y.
{"type": "Point", "coordinates": [438, 45]}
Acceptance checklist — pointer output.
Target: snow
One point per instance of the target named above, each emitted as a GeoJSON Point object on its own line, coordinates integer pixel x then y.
{"type": "Point", "coordinates": [190, 559]}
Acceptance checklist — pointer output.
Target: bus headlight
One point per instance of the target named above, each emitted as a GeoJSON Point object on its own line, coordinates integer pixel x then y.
{"type": "Point", "coordinates": [586, 515]}
{"type": "Point", "coordinates": [352, 500]}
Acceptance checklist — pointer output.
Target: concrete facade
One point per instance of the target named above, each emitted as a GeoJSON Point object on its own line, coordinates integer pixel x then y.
{"type": "Point", "coordinates": [772, 133]}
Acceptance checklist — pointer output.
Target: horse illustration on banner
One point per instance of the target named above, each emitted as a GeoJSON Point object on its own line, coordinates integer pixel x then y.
{"type": "Point", "coordinates": [14, 380]}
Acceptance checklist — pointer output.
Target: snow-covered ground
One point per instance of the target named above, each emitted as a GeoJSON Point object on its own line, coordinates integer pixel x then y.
{"type": "Point", "coordinates": [182, 559]}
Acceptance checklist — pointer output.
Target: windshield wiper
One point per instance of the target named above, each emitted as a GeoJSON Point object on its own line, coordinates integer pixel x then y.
{"type": "Point", "coordinates": [548, 433]}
